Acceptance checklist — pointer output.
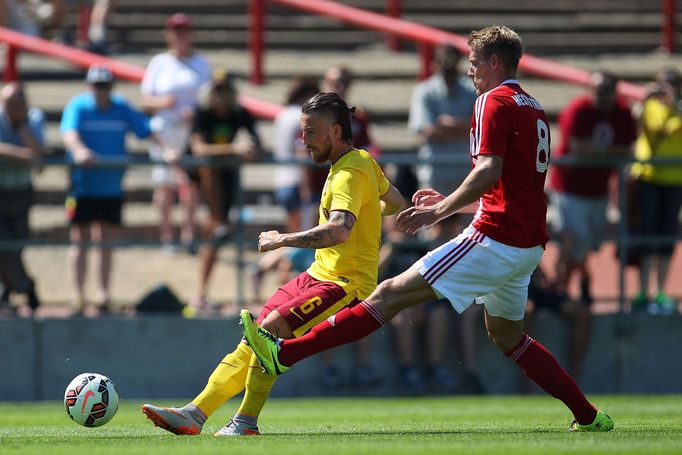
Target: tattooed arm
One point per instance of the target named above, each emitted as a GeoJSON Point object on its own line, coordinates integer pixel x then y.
{"type": "Point", "coordinates": [335, 231]}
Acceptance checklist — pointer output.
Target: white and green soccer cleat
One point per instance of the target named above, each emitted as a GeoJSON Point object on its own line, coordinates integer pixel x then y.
{"type": "Point", "coordinates": [602, 423]}
{"type": "Point", "coordinates": [263, 343]}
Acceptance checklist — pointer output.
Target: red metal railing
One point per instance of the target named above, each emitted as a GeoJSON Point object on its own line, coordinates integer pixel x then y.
{"type": "Point", "coordinates": [17, 42]}
{"type": "Point", "coordinates": [425, 36]}
{"type": "Point", "coordinates": [668, 29]}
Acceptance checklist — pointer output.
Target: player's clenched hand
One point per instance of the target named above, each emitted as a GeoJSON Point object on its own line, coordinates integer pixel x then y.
{"type": "Point", "coordinates": [269, 240]}
{"type": "Point", "coordinates": [414, 218]}
{"type": "Point", "coordinates": [427, 197]}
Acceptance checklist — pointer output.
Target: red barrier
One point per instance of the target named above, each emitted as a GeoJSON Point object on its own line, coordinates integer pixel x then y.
{"type": "Point", "coordinates": [668, 29]}
{"type": "Point", "coordinates": [18, 41]}
{"type": "Point", "coordinates": [256, 34]}
{"type": "Point", "coordinates": [428, 35]}
{"type": "Point", "coordinates": [393, 9]}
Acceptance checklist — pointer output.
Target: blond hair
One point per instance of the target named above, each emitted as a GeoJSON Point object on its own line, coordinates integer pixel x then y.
{"type": "Point", "coordinates": [499, 40]}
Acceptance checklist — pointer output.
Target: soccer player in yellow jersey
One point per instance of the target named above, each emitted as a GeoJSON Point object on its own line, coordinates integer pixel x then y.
{"type": "Point", "coordinates": [347, 240]}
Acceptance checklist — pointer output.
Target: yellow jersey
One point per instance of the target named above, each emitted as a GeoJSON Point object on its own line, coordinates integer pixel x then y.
{"type": "Point", "coordinates": [661, 137]}
{"type": "Point", "coordinates": [355, 183]}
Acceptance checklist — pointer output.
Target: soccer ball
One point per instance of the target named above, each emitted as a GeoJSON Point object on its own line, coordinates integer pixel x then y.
{"type": "Point", "coordinates": [91, 400]}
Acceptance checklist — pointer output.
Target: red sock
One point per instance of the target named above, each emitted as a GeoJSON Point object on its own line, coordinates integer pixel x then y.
{"type": "Point", "coordinates": [541, 366]}
{"type": "Point", "coordinates": [348, 325]}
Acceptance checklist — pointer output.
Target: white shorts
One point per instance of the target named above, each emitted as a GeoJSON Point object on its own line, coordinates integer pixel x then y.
{"type": "Point", "coordinates": [473, 267]}
{"type": "Point", "coordinates": [174, 136]}
{"type": "Point", "coordinates": [582, 217]}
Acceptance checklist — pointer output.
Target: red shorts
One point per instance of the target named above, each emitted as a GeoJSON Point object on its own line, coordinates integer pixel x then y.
{"type": "Point", "coordinates": [304, 302]}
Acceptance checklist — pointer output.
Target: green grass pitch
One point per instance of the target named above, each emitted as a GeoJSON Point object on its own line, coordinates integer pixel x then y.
{"type": "Point", "coordinates": [447, 425]}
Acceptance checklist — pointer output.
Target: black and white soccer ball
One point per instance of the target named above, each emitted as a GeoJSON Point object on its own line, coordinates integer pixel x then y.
{"type": "Point", "coordinates": [91, 400]}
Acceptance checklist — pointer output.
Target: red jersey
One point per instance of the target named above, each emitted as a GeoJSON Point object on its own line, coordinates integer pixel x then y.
{"type": "Point", "coordinates": [582, 120]}
{"type": "Point", "coordinates": [509, 123]}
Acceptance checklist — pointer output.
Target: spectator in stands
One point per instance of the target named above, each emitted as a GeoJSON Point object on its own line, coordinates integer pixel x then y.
{"type": "Point", "coordinates": [291, 187]}
{"type": "Point", "coordinates": [217, 121]}
{"type": "Point", "coordinates": [339, 79]}
{"type": "Point", "coordinates": [31, 17]}
{"type": "Point", "coordinates": [544, 296]}
{"type": "Point", "coordinates": [440, 114]}
{"type": "Point", "coordinates": [94, 126]}
{"type": "Point", "coordinates": [593, 126]}
{"type": "Point", "coordinates": [659, 186]}
{"type": "Point", "coordinates": [398, 253]}
{"type": "Point", "coordinates": [21, 149]}
{"type": "Point", "coordinates": [170, 91]}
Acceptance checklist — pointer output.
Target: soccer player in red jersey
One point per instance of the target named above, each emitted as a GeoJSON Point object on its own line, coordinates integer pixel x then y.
{"type": "Point", "coordinates": [491, 261]}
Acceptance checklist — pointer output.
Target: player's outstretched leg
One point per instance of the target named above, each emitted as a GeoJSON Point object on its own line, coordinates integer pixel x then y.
{"type": "Point", "coordinates": [187, 420]}
{"type": "Point", "coordinates": [601, 423]}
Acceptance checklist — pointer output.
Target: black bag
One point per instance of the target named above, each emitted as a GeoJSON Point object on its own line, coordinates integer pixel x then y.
{"type": "Point", "coordinates": [161, 299]}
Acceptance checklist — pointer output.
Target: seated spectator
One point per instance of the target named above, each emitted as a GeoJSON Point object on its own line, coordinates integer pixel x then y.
{"type": "Point", "coordinates": [216, 123]}
{"type": "Point", "coordinates": [94, 126]}
{"type": "Point", "coordinates": [659, 186]}
{"type": "Point", "coordinates": [593, 126]}
{"type": "Point", "coordinates": [397, 255]}
{"type": "Point", "coordinates": [21, 150]}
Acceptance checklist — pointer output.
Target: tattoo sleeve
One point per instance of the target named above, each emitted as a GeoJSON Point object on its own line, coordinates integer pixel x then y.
{"type": "Point", "coordinates": [331, 233]}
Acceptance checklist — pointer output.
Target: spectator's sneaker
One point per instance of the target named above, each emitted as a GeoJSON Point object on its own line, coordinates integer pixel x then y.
{"type": "Point", "coordinates": [176, 420]}
{"type": "Point", "coordinates": [471, 385]}
{"type": "Point", "coordinates": [666, 304]}
{"type": "Point", "coordinates": [264, 344]}
{"type": "Point", "coordinates": [412, 380]}
{"type": "Point", "coordinates": [366, 376]}
{"type": "Point", "coordinates": [441, 380]}
{"type": "Point", "coordinates": [640, 302]}
{"type": "Point", "coordinates": [332, 378]}
{"type": "Point", "coordinates": [234, 428]}
{"type": "Point", "coordinates": [602, 423]}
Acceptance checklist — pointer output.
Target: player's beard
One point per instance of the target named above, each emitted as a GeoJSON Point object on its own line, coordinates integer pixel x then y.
{"type": "Point", "coordinates": [321, 155]}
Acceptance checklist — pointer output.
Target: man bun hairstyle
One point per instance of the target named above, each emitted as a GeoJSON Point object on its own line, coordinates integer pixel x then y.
{"type": "Point", "coordinates": [499, 40]}
{"type": "Point", "coordinates": [335, 109]}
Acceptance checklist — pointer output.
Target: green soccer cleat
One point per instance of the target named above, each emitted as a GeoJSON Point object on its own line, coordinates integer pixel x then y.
{"type": "Point", "coordinates": [602, 423]}
{"type": "Point", "coordinates": [263, 343]}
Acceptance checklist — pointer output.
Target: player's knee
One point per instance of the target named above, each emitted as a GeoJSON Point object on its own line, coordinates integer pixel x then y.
{"type": "Point", "coordinates": [277, 325]}
{"type": "Point", "coordinates": [505, 340]}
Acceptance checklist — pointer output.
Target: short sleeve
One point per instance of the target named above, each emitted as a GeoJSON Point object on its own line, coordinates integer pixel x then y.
{"type": "Point", "coordinates": [137, 122]}
{"type": "Point", "coordinates": [36, 120]}
{"type": "Point", "coordinates": [71, 116]}
{"type": "Point", "coordinates": [150, 75]}
{"type": "Point", "coordinates": [494, 123]}
{"type": "Point", "coordinates": [574, 121]}
{"type": "Point", "coordinates": [349, 190]}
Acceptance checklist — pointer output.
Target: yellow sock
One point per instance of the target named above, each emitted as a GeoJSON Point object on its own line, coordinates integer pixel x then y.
{"type": "Point", "coordinates": [226, 381]}
{"type": "Point", "coordinates": [258, 386]}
